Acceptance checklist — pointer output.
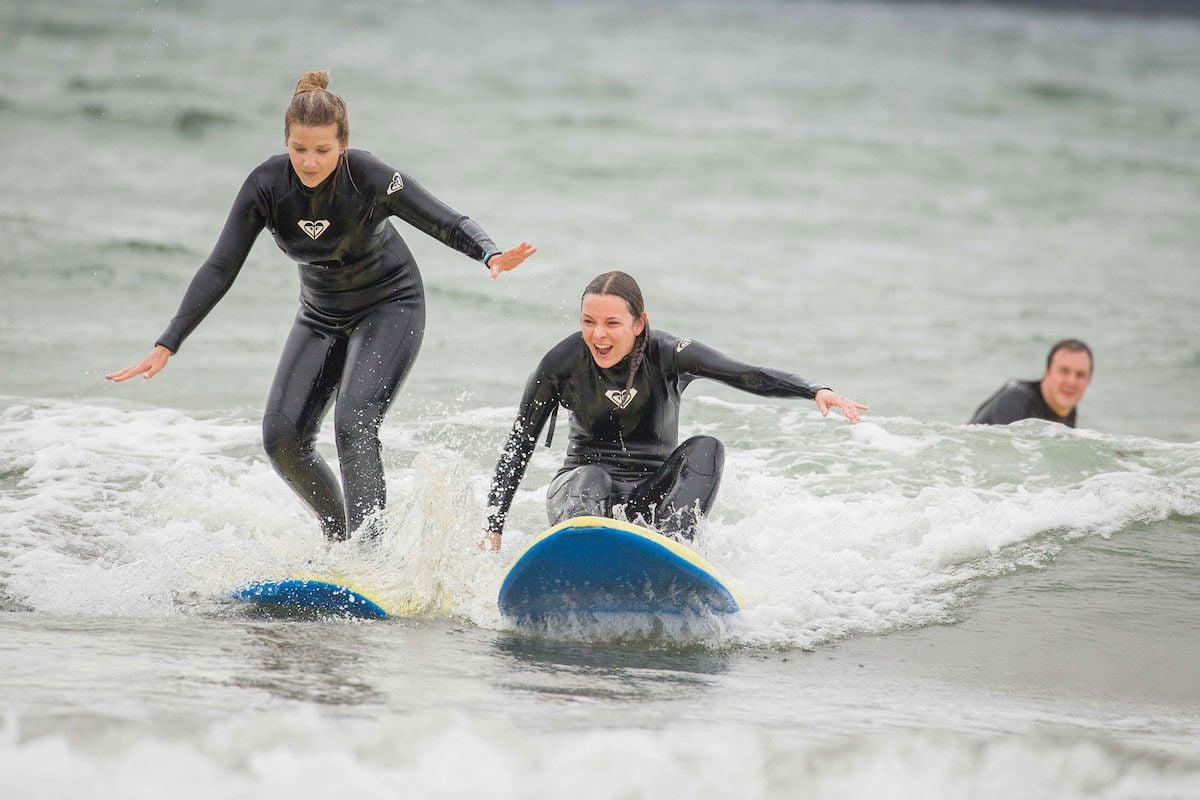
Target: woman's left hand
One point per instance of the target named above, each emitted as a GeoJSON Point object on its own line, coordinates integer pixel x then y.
{"type": "Point", "coordinates": [510, 258]}
{"type": "Point", "coordinates": [827, 399]}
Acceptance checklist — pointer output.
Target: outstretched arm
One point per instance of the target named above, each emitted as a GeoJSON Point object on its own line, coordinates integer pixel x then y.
{"type": "Point", "coordinates": [212, 280]}
{"type": "Point", "coordinates": [694, 359]}
{"type": "Point", "coordinates": [413, 203]}
{"type": "Point", "coordinates": [246, 220]}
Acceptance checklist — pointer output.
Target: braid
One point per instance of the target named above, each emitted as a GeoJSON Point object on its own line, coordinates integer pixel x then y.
{"type": "Point", "coordinates": [639, 353]}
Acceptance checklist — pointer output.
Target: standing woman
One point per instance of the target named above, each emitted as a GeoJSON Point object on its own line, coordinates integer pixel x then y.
{"type": "Point", "coordinates": [362, 305]}
{"type": "Point", "coordinates": [622, 384]}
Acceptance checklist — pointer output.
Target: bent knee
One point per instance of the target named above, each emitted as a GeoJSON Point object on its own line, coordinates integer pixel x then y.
{"type": "Point", "coordinates": [281, 437]}
{"type": "Point", "coordinates": [705, 454]}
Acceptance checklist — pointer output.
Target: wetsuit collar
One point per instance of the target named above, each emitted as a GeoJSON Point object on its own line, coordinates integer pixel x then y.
{"type": "Point", "coordinates": [321, 187]}
{"type": "Point", "coordinates": [618, 372]}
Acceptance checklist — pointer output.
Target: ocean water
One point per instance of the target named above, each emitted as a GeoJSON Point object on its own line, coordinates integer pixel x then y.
{"type": "Point", "coordinates": [907, 202]}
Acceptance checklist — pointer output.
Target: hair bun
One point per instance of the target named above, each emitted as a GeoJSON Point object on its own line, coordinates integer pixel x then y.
{"type": "Point", "coordinates": [312, 80]}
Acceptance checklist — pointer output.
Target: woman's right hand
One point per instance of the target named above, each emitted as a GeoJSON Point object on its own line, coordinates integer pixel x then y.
{"type": "Point", "coordinates": [148, 367]}
{"type": "Point", "coordinates": [490, 541]}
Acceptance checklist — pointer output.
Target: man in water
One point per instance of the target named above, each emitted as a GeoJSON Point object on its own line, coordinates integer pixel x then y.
{"type": "Point", "coordinates": [1053, 398]}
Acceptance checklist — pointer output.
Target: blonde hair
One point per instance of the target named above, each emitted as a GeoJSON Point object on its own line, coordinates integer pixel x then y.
{"type": "Point", "coordinates": [314, 105]}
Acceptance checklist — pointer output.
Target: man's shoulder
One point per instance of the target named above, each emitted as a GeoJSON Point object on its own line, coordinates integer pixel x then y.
{"type": "Point", "coordinates": [1023, 389]}
{"type": "Point", "coordinates": [1013, 401]}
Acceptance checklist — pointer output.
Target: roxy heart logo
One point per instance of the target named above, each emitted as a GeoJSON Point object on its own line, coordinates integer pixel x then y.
{"type": "Point", "coordinates": [621, 397]}
{"type": "Point", "coordinates": [682, 344]}
{"type": "Point", "coordinates": [314, 227]}
{"type": "Point", "coordinates": [396, 185]}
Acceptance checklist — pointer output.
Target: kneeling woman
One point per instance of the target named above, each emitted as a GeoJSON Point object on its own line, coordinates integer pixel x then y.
{"type": "Point", "coordinates": [622, 382]}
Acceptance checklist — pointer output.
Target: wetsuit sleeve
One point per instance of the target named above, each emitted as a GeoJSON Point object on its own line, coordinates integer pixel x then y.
{"type": "Point", "coordinates": [539, 399]}
{"type": "Point", "coordinates": [696, 360]}
{"type": "Point", "coordinates": [1009, 404]}
{"type": "Point", "coordinates": [246, 220]}
{"type": "Point", "coordinates": [412, 203]}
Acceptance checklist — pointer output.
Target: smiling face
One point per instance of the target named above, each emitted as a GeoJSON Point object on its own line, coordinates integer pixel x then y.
{"type": "Point", "coordinates": [1066, 379]}
{"type": "Point", "coordinates": [314, 151]}
{"type": "Point", "coordinates": [608, 328]}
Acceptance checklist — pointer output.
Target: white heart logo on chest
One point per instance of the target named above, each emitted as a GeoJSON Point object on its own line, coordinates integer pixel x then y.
{"type": "Point", "coordinates": [314, 227]}
{"type": "Point", "coordinates": [621, 397]}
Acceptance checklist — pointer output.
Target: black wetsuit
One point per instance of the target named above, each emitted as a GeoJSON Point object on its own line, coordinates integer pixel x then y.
{"type": "Point", "coordinates": [361, 317]}
{"type": "Point", "coordinates": [623, 445]}
{"type": "Point", "coordinates": [1015, 401]}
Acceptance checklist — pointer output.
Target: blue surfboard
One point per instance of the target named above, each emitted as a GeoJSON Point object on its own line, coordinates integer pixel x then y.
{"type": "Point", "coordinates": [594, 565]}
{"type": "Point", "coordinates": [312, 597]}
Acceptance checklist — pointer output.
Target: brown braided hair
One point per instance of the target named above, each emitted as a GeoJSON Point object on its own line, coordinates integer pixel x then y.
{"type": "Point", "coordinates": [314, 105]}
{"type": "Point", "coordinates": [625, 287]}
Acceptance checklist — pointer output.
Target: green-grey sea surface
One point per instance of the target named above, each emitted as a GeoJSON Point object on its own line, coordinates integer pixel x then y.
{"type": "Point", "coordinates": [908, 202]}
